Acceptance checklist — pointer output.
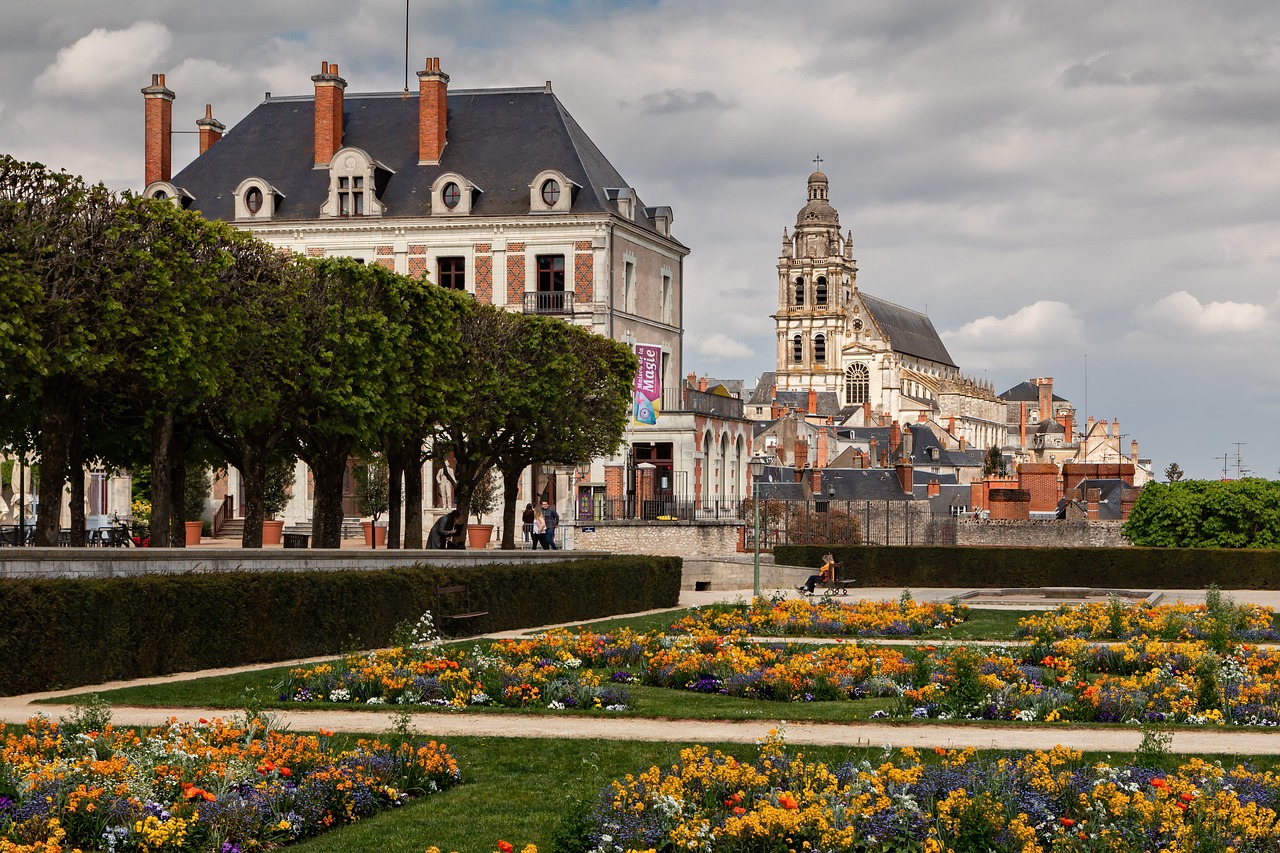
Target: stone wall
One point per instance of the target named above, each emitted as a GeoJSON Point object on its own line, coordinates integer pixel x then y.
{"type": "Point", "coordinates": [668, 539]}
{"type": "Point", "coordinates": [1036, 533]}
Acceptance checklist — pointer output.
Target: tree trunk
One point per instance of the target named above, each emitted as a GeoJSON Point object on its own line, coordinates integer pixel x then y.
{"type": "Point", "coordinates": [253, 471]}
{"type": "Point", "coordinates": [57, 421]}
{"type": "Point", "coordinates": [162, 501]}
{"type": "Point", "coordinates": [75, 474]}
{"type": "Point", "coordinates": [413, 494]}
{"type": "Point", "coordinates": [328, 468]}
{"type": "Point", "coordinates": [177, 500]}
{"type": "Point", "coordinates": [510, 482]}
{"type": "Point", "coordinates": [395, 492]}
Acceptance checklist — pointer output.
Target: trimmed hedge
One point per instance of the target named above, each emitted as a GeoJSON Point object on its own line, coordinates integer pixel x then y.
{"type": "Point", "coordinates": [989, 567]}
{"type": "Point", "coordinates": [69, 633]}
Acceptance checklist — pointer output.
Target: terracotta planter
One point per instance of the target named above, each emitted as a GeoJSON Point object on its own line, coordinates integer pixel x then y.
{"type": "Point", "coordinates": [272, 531]}
{"type": "Point", "coordinates": [194, 529]}
{"type": "Point", "coordinates": [374, 537]}
{"type": "Point", "coordinates": [478, 535]}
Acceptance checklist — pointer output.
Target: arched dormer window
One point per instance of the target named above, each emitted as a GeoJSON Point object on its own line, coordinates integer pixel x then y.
{"type": "Point", "coordinates": [452, 195]}
{"type": "Point", "coordinates": [820, 348]}
{"type": "Point", "coordinates": [857, 384]}
{"type": "Point", "coordinates": [165, 191]}
{"type": "Point", "coordinates": [797, 349]}
{"type": "Point", "coordinates": [356, 181]}
{"type": "Point", "coordinates": [820, 291]}
{"type": "Point", "coordinates": [256, 199]}
{"type": "Point", "coordinates": [799, 291]}
{"type": "Point", "coordinates": [551, 192]}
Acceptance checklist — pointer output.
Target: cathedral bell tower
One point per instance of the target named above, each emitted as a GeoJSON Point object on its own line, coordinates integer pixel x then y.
{"type": "Point", "coordinates": [817, 279]}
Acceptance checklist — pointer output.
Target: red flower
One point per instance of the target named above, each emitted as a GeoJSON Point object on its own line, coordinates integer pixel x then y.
{"type": "Point", "coordinates": [1066, 821]}
{"type": "Point", "coordinates": [286, 772]}
{"type": "Point", "coordinates": [1159, 783]}
{"type": "Point", "coordinates": [1187, 796]}
{"type": "Point", "coordinates": [505, 846]}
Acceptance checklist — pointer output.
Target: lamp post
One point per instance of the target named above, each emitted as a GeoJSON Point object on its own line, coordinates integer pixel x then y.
{"type": "Point", "coordinates": [756, 466]}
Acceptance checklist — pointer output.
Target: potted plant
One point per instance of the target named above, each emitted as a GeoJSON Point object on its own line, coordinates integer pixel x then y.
{"type": "Point", "coordinates": [484, 500]}
{"type": "Point", "coordinates": [275, 497]}
{"type": "Point", "coordinates": [372, 500]}
{"type": "Point", "coordinates": [195, 496]}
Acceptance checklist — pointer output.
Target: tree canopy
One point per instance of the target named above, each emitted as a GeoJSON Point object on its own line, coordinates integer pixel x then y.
{"type": "Point", "coordinates": [1207, 514]}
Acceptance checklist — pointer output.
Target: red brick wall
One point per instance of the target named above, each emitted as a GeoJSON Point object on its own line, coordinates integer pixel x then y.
{"type": "Point", "coordinates": [328, 120]}
{"type": "Point", "coordinates": [515, 273]}
{"type": "Point", "coordinates": [1041, 481]}
{"type": "Point", "coordinates": [583, 272]}
{"type": "Point", "coordinates": [613, 482]}
{"type": "Point", "coordinates": [418, 261]}
{"type": "Point", "coordinates": [385, 257]}
{"type": "Point", "coordinates": [1010, 504]}
{"type": "Point", "coordinates": [484, 272]}
{"type": "Point", "coordinates": [433, 89]}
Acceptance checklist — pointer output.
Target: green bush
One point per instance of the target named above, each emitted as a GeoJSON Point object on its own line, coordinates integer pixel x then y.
{"type": "Point", "coordinates": [68, 633]}
{"type": "Point", "coordinates": [990, 567]}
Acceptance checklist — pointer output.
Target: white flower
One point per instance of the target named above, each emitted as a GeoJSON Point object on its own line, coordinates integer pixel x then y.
{"type": "Point", "coordinates": [340, 694]}
{"type": "Point", "coordinates": [555, 705]}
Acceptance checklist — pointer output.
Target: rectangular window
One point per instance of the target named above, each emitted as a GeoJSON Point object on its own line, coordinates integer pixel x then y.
{"type": "Point", "coordinates": [629, 287]}
{"type": "Point", "coordinates": [668, 308]}
{"type": "Point", "coordinates": [453, 273]}
{"type": "Point", "coordinates": [550, 273]}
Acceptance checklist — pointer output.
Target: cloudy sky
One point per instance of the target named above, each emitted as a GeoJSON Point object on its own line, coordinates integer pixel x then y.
{"type": "Point", "coordinates": [1085, 190]}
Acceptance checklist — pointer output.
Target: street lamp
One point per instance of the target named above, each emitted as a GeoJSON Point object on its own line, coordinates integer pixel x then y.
{"type": "Point", "coordinates": [756, 466]}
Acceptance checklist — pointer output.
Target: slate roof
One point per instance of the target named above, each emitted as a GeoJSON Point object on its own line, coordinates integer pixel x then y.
{"type": "Point", "coordinates": [498, 139]}
{"type": "Point", "coordinates": [762, 394]}
{"type": "Point", "coordinates": [923, 438]}
{"type": "Point", "coordinates": [1026, 392]}
{"type": "Point", "coordinates": [828, 403]}
{"type": "Point", "coordinates": [864, 484]}
{"type": "Point", "coordinates": [909, 332]}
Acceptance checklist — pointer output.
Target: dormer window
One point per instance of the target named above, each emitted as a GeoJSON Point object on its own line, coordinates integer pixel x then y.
{"type": "Point", "coordinates": [256, 199]}
{"type": "Point", "coordinates": [165, 191]}
{"type": "Point", "coordinates": [551, 192]}
{"type": "Point", "coordinates": [452, 195]}
{"type": "Point", "coordinates": [356, 181]}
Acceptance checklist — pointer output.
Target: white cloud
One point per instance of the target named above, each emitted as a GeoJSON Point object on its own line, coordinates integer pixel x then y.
{"type": "Point", "coordinates": [105, 60]}
{"type": "Point", "coordinates": [1181, 312]}
{"type": "Point", "coordinates": [719, 348]}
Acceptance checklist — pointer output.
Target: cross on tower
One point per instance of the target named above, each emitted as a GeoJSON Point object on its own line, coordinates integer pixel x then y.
{"type": "Point", "coordinates": [817, 161]}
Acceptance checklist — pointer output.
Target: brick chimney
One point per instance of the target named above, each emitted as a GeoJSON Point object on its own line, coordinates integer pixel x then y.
{"type": "Point", "coordinates": [922, 418]}
{"type": "Point", "coordinates": [903, 470]}
{"type": "Point", "coordinates": [211, 129]}
{"type": "Point", "coordinates": [1045, 384]}
{"type": "Point", "coordinates": [329, 89]}
{"type": "Point", "coordinates": [1068, 425]}
{"type": "Point", "coordinates": [935, 488]}
{"type": "Point", "coordinates": [871, 453]}
{"type": "Point", "coordinates": [866, 415]}
{"type": "Point", "coordinates": [433, 112]}
{"type": "Point", "coordinates": [1092, 496]}
{"type": "Point", "coordinates": [159, 129]}
{"type": "Point", "coordinates": [702, 384]}
{"type": "Point", "coordinates": [823, 450]}
{"type": "Point", "coordinates": [1022, 425]}
{"type": "Point", "coordinates": [895, 437]}
{"type": "Point", "coordinates": [813, 402]}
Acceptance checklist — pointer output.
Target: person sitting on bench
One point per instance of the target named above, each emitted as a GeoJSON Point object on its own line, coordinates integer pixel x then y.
{"type": "Point", "coordinates": [825, 575]}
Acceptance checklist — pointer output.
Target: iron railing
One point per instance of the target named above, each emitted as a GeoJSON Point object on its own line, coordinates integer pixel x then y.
{"type": "Point", "coordinates": [549, 302]}
{"type": "Point", "coordinates": [700, 402]}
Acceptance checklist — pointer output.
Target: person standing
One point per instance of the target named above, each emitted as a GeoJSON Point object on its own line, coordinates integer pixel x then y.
{"type": "Point", "coordinates": [539, 529]}
{"type": "Point", "coordinates": [552, 519]}
{"type": "Point", "coordinates": [527, 521]}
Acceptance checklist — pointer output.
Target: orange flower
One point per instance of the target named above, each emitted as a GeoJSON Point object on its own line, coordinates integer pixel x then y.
{"type": "Point", "coordinates": [1159, 783]}
{"type": "Point", "coordinates": [325, 733]}
{"type": "Point", "coordinates": [1187, 796]}
{"type": "Point", "coordinates": [1066, 821]}
{"type": "Point", "coordinates": [939, 750]}
{"type": "Point", "coordinates": [739, 810]}
{"type": "Point", "coordinates": [505, 846]}
{"type": "Point", "coordinates": [788, 802]}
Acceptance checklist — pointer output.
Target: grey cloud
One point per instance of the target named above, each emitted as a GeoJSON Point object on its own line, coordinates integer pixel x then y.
{"type": "Point", "coordinates": [670, 101]}
{"type": "Point", "coordinates": [1102, 71]}
{"type": "Point", "coordinates": [1240, 103]}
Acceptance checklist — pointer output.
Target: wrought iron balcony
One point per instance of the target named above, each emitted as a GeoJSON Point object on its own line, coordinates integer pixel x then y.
{"type": "Point", "coordinates": [549, 302]}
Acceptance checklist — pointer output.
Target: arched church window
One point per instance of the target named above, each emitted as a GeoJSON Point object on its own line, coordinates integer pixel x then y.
{"type": "Point", "coordinates": [797, 349]}
{"type": "Point", "coordinates": [820, 291]}
{"type": "Point", "coordinates": [820, 348]}
{"type": "Point", "coordinates": [800, 292]}
{"type": "Point", "coordinates": [857, 384]}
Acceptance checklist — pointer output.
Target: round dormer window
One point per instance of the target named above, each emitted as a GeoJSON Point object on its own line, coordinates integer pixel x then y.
{"type": "Point", "coordinates": [550, 192]}
{"type": "Point", "coordinates": [253, 201]}
{"type": "Point", "coordinates": [160, 195]}
{"type": "Point", "coordinates": [451, 195]}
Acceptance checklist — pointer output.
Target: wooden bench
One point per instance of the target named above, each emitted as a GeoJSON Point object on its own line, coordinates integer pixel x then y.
{"type": "Point", "coordinates": [453, 606]}
{"type": "Point", "coordinates": [839, 586]}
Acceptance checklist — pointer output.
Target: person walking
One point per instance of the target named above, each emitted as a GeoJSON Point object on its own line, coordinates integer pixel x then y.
{"type": "Point", "coordinates": [539, 529]}
{"type": "Point", "coordinates": [527, 520]}
{"type": "Point", "coordinates": [552, 519]}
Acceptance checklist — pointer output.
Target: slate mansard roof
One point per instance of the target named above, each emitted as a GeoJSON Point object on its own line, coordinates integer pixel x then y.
{"type": "Point", "coordinates": [910, 332]}
{"type": "Point", "coordinates": [498, 139]}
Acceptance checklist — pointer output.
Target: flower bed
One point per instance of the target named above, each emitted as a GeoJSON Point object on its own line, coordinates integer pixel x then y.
{"type": "Point", "coordinates": [1040, 801]}
{"type": "Point", "coordinates": [1115, 620]}
{"type": "Point", "coordinates": [825, 618]}
{"type": "Point", "coordinates": [211, 786]}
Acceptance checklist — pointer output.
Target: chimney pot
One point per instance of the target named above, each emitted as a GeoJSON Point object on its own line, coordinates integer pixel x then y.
{"type": "Point", "coordinates": [328, 113]}
{"type": "Point", "coordinates": [433, 112]}
{"type": "Point", "coordinates": [158, 131]}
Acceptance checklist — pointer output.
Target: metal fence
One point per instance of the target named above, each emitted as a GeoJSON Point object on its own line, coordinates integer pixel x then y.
{"type": "Point", "coordinates": [660, 508]}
